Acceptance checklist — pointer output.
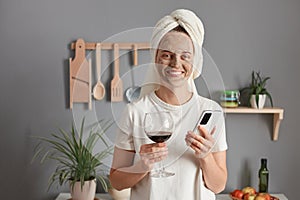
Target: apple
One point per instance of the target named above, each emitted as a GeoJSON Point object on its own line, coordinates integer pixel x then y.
{"type": "Point", "coordinates": [237, 194]}
{"type": "Point", "coordinates": [273, 198]}
{"type": "Point", "coordinates": [249, 196]}
{"type": "Point", "coordinates": [249, 190]}
{"type": "Point", "coordinates": [259, 197]}
{"type": "Point", "coordinates": [266, 196]}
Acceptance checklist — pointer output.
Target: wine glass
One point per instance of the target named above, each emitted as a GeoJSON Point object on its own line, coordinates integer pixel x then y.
{"type": "Point", "coordinates": [159, 127]}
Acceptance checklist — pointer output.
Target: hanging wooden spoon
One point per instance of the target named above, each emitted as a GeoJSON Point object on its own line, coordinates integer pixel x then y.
{"type": "Point", "coordinates": [99, 89]}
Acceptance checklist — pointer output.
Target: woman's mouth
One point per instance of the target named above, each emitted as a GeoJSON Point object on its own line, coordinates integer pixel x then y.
{"type": "Point", "coordinates": [174, 73]}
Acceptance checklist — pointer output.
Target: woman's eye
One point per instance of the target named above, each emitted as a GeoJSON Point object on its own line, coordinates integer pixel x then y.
{"type": "Point", "coordinates": [166, 56]}
{"type": "Point", "coordinates": [185, 57]}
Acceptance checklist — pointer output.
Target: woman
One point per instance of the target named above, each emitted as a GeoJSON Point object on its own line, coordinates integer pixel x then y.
{"type": "Point", "coordinates": [198, 160]}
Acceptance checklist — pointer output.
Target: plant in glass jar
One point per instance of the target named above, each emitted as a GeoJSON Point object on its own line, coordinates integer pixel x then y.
{"type": "Point", "coordinates": [257, 90]}
{"type": "Point", "coordinates": [77, 164]}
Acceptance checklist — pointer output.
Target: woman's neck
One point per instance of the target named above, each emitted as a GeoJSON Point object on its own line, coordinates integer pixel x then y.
{"type": "Point", "coordinates": [175, 96]}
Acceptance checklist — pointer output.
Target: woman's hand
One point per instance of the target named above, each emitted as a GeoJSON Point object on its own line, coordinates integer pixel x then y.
{"type": "Point", "coordinates": [152, 153]}
{"type": "Point", "coordinates": [201, 144]}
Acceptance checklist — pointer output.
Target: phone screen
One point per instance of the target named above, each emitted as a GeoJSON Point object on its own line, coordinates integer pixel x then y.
{"type": "Point", "coordinates": [205, 118]}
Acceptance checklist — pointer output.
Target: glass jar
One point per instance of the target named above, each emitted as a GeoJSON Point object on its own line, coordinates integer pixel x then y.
{"type": "Point", "coordinates": [230, 98]}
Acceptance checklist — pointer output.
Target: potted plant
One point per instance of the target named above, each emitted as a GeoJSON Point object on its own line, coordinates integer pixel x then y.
{"type": "Point", "coordinates": [76, 162]}
{"type": "Point", "coordinates": [257, 90]}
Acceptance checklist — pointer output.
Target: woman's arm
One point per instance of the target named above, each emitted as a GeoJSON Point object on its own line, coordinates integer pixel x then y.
{"type": "Point", "coordinates": [125, 174]}
{"type": "Point", "coordinates": [214, 171]}
{"type": "Point", "coordinates": [213, 164]}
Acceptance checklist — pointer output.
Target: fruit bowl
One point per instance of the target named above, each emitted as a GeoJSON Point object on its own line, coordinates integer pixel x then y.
{"type": "Point", "coordinates": [234, 198]}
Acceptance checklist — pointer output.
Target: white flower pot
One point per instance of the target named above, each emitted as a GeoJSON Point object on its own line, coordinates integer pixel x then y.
{"type": "Point", "coordinates": [261, 101]}
{"type": "Point", "coordinates": [119, 195]}
{"type": "Point", "coordinates": [87, 192]}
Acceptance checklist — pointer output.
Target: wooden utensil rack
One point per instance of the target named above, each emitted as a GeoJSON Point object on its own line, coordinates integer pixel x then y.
{"type": "Point", "coordinates": [110, 46]}
{"type": "Point", "coordinates": [82, 94]}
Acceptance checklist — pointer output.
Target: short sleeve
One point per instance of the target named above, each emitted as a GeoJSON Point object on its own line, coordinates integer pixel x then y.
{"type": "Point", "coordinates": [221, 143]}
{"type": "Point", "coordinates": [124, 137]}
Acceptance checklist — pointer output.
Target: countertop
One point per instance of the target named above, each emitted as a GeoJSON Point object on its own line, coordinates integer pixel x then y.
{"type": "Point", "coordinates": [66, 196]}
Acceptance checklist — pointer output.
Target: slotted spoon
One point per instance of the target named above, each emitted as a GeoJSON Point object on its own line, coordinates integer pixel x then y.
{"type": "Point", "coordinates": [116, 83]}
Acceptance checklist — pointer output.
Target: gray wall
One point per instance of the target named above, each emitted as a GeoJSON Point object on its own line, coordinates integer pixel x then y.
{"type": "Point", "coordinates": [240, 36]}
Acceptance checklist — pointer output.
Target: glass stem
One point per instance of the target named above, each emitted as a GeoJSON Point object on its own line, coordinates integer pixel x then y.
{"type": "Point", "coordinates": [161, 167]}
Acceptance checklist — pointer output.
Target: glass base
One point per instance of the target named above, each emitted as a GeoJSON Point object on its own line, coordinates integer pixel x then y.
{"type": "Point", "coordinates": [161, 174]}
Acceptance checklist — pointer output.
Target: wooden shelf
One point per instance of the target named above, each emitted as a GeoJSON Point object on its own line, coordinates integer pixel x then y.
{"type": "Point", "coordinates": [277, 115]}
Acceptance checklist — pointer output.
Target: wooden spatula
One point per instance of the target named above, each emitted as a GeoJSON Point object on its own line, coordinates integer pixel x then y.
{"type": "Point", "coordinates": [116, 83]}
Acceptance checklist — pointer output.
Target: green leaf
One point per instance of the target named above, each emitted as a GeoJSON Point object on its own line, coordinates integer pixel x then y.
{"type": "Point", "coordinates": [103, 183]}
{"type": "Point", "coordinates": [257, 98]}
{"type": "Point", "coordinates": [38, 151]}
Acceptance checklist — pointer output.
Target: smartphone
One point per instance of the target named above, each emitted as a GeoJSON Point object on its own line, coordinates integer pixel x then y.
{"type": "Point", "coordinates": [209, 119]}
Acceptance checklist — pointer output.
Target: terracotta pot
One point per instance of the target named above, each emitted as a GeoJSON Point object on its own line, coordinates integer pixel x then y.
{"type": "Point", "coordinates": [87, 192]}
{"type": "Point", "coordinates": [119, 195]}
{"type": "Point", "coordinates": [261, 101]}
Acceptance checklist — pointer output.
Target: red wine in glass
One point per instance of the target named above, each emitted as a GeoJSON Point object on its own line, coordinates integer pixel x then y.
{"type": "Point", "coordinates": [161, 136]}
{"type": "Point", "coordinates": [159, 127]}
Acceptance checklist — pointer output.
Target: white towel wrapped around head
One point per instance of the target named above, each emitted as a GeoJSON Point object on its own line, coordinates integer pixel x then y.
{"type": "Point", "coordinates": [194, 27]}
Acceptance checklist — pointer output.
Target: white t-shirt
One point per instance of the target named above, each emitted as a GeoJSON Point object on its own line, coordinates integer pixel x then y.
{"type": "Point", "coordinates": [187, 183]}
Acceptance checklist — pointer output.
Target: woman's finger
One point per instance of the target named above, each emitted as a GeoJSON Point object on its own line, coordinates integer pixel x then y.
{"type": "Point", "coordinates": [152, 148]}
{"type": "Point", "coordinates": [213, 130]}
{"type": "Point", "coordinates": [152, 153]}
{"type": "Point", "coordinates": [201, 144]}
{"type": "Point", "coordinates": [196, 137]}
{"type": "Point", "coordinates": [205, 133]}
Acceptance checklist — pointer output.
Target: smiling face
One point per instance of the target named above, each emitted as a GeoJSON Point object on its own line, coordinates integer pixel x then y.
{"type": "Point", "coordinates": [174, 59]}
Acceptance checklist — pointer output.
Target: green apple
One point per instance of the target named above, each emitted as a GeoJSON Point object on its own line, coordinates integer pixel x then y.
{"type": "Point", "coordinates": [249, 190]}
{"type": "Point", "coordinates": [249, 196]}
{"type": "Point", "coordinates": [260, 197]}
{"type": "Point", "coordinates": [266, 196]}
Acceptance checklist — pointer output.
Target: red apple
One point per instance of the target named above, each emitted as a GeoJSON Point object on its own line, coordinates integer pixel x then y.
{"type": "Point", "coordinates": [237, 194]}
{"type": "Point", "coordinates": [249, 196]}
{"type": "Point", "coordinates": [273, 198]}
{"type": "Point", "coordinates": [249, 190]}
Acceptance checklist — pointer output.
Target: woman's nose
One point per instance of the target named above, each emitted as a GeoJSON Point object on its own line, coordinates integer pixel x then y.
{"type": "Point", "coordinates": [175, 62]}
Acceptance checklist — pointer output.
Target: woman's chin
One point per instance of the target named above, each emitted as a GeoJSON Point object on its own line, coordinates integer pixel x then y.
{"type": "Point", "coordinates": [175, 83]}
